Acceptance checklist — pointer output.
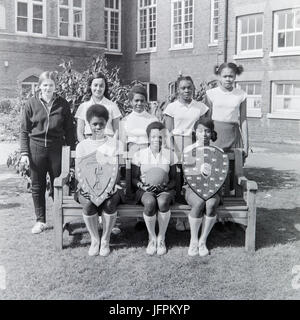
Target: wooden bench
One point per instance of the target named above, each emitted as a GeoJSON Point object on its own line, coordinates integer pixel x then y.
{"type": "Point", "coordinates": [240, 208]}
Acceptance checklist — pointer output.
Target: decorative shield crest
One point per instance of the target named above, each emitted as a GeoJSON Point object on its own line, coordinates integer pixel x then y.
{"type": "Point", "coordinates": [205, 170]}
{"type": "Point", "coordinates": [97, 175]}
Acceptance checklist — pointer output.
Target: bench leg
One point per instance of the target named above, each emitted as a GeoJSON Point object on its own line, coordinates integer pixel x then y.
{"type": "Point", "coordinates": [251, 227]}
{"type": "Point", "coordinates": [58, 224]}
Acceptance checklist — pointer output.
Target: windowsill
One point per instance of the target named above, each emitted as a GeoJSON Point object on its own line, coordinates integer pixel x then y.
{"type": "Point", "coordinates": [284, 53]}
{"type": "Point", "coordinates": [70, 38]}
{"type": "Point", "coordinates": [113, 53]}
{"type": "Point", "coordinates": [146, 51]}
{"type": "Point", "coordinates": [248, 55]}
{"type": "Point", "coordinates": [283, 116]}
{"type": "Point", "coordinates": [181, 48]}
{"type": "Point", "coordinates": [213, 44]}
{"type": "Point", "coordinates": [252, 113]}
{"type": "Point", "coordinates": [28, 34]}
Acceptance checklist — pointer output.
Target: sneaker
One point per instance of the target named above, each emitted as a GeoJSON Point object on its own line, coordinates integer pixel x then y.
{"type": "Point", "coordinates": [203, 251]}
{"type": "Point", "coordinates": [161, 248]}
{"type": "Point", "coordinates": [151, 248]}
{"type": "Point", "coordinates": [39, 227]}
{"type": "Point", "coordinates": [104, 248]}
{"type": "Point", "coordinates": [115, 230]}
{"type": "Point", "coordinates": [94, 249]}
{"type": "Point", "coordinates": [193, 249]}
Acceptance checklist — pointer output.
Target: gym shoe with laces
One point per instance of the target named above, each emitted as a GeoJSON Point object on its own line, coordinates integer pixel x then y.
{"type": "Point", "coordinates": [104, 248]}
{"type": "Point", "coordinates": [193, 249]}
{"type": "Point", "coordinates": [151, 248]}
{"type": "Point", "coordinates": [94, 249]}
{"type": "Point", "coordinates": [203, 251]}
{"type": "Point", "coordinates": [161, 247]}
{"type": "Point", "coordinates": [39, 227]}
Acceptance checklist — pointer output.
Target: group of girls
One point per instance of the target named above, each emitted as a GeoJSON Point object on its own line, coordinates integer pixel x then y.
{"type": "Point", "coordinates": [47, 124]}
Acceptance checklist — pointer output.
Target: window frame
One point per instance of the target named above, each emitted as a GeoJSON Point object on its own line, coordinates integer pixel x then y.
{"type": "Point", "coordinates": [255, 53]}
{"type": "Point", "coordinates": [284, 50]}
{"type": "Point", "coordinates": [182, 45]}
{"type": "Point", "coordinates": [71, 21]}
{"type": "Point", "coordinates": [147, 8]}
{"type": "Point", "coordinates": [109, 11]}
{"type": "Point", "coordinates": [29, 31]}
{"type": "Point", "coordinates": [282, 113]}
{"type": "Point", "coordinates": [212, 41]}
{"type": "Point", "coordinates": [252, 112]}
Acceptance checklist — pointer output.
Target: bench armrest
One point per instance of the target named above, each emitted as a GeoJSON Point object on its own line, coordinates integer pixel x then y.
{"type": "Point", "coordinates": [246, 184]}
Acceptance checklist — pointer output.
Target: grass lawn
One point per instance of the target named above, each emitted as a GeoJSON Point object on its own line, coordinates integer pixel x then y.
{"type": "Point", "coordinates": [35, 271]}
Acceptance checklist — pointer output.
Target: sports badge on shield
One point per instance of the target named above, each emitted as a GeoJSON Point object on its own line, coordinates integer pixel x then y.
{"type": "Point", "coordinates": [205, 170]}
{"type": "Point", "coordinates": [97, 175]}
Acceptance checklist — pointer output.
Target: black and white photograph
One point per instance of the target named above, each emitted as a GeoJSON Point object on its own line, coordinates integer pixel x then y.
{"type": "Point", "coordinates": [149, 152]}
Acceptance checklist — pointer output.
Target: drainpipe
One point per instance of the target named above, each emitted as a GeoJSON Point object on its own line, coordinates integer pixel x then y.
{"type": "Point", "coordinates": [226, 31]}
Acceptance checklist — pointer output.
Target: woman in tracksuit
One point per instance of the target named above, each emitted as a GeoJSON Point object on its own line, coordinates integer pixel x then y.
{"type": "Point", "coordinates": [46, 125]}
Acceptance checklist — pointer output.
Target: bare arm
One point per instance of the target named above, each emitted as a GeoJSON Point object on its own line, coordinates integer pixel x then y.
{"type": "Point", "coordinates": [80, 129]}
{"type": "Point", "coordinates": [169, 124]}
{"type": "Point", "coordinates": [209, 104]}
{"type": "Point", "coordinates": [115, 125]}
{"type": "Point", "coordinates": [244, 127]}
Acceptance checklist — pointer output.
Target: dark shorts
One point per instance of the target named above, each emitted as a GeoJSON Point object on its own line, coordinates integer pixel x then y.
{"type": "Point", "coordinates": [140, 193]}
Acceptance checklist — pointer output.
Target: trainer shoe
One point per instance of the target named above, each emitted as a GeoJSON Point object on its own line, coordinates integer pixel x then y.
{"type": "Point", "coordinates": [161, 247]}
{"type": "Point", "coordinates": [193, 249]}
{"type": "Point", "coordinates": [203, 251]}
{"type": "Point", "coordinates": [151, 248]}
{"type": "Point", "coordinates": [39, 227]}
{"type": "Point", "coordinates": [104, 248]}
{"type": "Point", "coordinates": [94, 249]}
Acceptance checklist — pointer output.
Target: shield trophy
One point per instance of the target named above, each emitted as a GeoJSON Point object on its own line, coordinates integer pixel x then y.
{"type": "Point", "coordinates": [97, 175]}
{"type": "Point", "coordinates": [205, 170]}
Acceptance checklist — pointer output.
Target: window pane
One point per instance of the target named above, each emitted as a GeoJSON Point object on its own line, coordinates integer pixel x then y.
{"type": "Point", "coordinates": [64, 15]}
{"type": "Point", "coordinates": [258, 89]}
{"type": "Point", "coordinates": [244, 43]}
{"type": "Point", "coordinates": [63, 29]}
{"type": "Point", "coordinates": [37, 12]}
{"type": "Point", "coordinates": [289, 39]}
{"type": "Point", "coordinates": [244, 22]}
{"type": "Point", "coordinates": [259, 23]}
{"type": "Point", "coordinates": [297, 19]}
{"type": "Point", "coordinates": [297, 38]}
{"type": "Point", "coordinates": [77, 3]}
{"type": "Point", "coordinates": [250, 89]}
{"type": "Point", "coordinates": [251, 43]}
{"type": "Point", "coordinates": [77, 16]}
{"type": "Point", "coordinates": [297, 89]}
{"type": "Point", "coordinates": [243, 87]}
{"type": "Point", "coordinates": [251, 24]}
{"type": "Point", "coordinates": [37, 26]}
{"type": "Point", "coordinates": [22, 24]}
{"type": "Point", "coordinates": [258, 42]}
{"type": "Point", "coordinates": [287, 103]}
{"type": "Point", "coordinates": [290, 20]}
{"type": "Point", "coordinates": [22, 9]}
{"type": "Point", "coordinates": [64, 2]}
{"type": "Point", "coordinates": [77, 31]}
{"type": "Point", "coordinates": [279, 90]}
{"type": "Point", "coordinates": [281, 39]}
{"type": "Point", "coordinates": [288, 89]}
{"type": "Point", "coordinates": [281, 21]}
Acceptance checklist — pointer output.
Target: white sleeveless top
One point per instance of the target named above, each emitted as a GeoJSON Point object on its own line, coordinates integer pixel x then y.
{"type": "Point", "coordinates": [226, 104]}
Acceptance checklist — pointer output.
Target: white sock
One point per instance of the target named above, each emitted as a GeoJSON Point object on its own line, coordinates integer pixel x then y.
{"type": "Point", "coordinates": [163, 222]}
{"type": "Point", "coordinates": [194, 225]}
{"type": "Point", "coordinates": [109, 221]}
{"type": "Point", "coordinates": [150, 224]}
{"type": "Point", "coordinates": [91, 223]}
{"type": "Point", "coordinates": [207, 225]}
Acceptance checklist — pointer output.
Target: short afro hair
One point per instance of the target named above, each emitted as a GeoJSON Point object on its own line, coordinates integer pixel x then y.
{"type": "Point", "coordinates": [137, 89]}
{"type": "Point", "coordinates": [97, 110]}
{"type": "Point", "coordinates": [207, 123]}
{"type": "Point", "coordinates": [154, 125]}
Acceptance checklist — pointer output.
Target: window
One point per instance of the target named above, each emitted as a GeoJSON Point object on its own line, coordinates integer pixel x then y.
{"type": "Point", "coordinates": [112, 25]}
{"type": "Point", "coordinates": [30, 17]}
{"type": "Point", "coordinates": [29, 85]}
{"type": "Point", "coordinates": [214, 21]}
{"type": "Point", "coordinates": [2, 17]}
{"type": "Point", "coordinates": [253, 90]}
{"type": "Point", "coordinates": [182, 23]}
{"type": "Point", "coordinates": [147, 20]}
{"type": "Point", "coordinates": [250, 34]}
{"type": "Point", "coordinates": [71, 19]}
{"type": "Point", "coordinates": [287, 30]}
{"type": "Point", "coordinates": [286, 98]}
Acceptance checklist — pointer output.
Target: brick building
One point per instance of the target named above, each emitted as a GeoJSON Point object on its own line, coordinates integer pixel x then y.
{"type": "Point", "coordinates": [155, 40]}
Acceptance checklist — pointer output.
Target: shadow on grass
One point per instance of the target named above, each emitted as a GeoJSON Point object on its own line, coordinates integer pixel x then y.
{"type": "Point", "coordinates": [269, 178]}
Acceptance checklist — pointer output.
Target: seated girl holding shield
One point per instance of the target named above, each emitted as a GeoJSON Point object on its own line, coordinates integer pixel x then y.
{"type": "Point", "coordinates": [153, 173]}
{"type": "Point", "coordinates": [204, 129]}
{"type": "Point", "coordinates": [97, 117]}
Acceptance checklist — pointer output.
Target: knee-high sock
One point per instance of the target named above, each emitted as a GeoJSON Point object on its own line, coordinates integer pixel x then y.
{"type": "Point", "coordinates": [208, 223]}
{"type": "Point", "coordinates": [195, 225]}
{"type": "Point", "coordinates": [150, 224]}
{"type": "Point", "coordinates": [163, 222]}
{"type": "Point", "coordinates": [91, 223]}
{"type": "Point", "coordinates": [108, 223]}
